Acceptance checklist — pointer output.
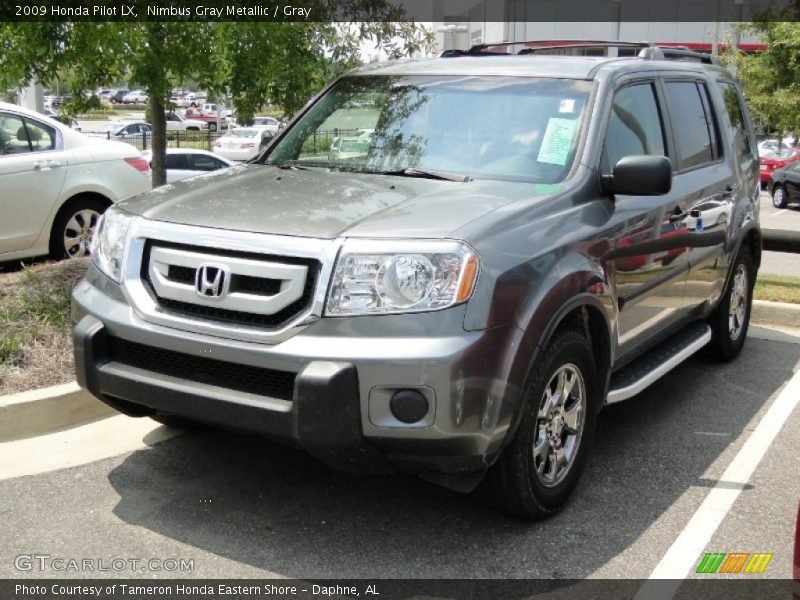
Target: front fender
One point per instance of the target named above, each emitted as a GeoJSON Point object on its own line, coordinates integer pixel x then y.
{"type": "Point", "coordinates": [571, 282]}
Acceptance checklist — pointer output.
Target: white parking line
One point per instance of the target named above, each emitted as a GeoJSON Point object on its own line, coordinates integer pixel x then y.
{"type": "Point", "coordinates": [779, 212]}
{"type": "Point", "coordinates": [685, 552]}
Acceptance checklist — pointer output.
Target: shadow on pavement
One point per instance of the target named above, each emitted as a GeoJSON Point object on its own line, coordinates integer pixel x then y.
{"type": "Point", "coordinates": [277, 509]}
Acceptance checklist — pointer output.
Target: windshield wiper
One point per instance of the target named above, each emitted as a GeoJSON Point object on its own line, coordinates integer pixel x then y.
{"type": "Point", "coordinates": [286, 167]}
{"type": "Point", "coordinates": [441, 175]}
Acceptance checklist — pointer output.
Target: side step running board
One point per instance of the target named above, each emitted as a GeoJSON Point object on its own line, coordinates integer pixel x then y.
{"type": "Point", "coordinates": [645, 370]}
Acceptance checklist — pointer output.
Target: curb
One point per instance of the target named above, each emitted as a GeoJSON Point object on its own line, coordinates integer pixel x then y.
{"type": "Point", "coordinates": [783, 314]}
{"type": "Point", "coordinates": [35, 412]}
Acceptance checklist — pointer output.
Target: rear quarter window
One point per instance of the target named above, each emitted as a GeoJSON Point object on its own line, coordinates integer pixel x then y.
{"type": "Point", "coordinates": [742, 143]}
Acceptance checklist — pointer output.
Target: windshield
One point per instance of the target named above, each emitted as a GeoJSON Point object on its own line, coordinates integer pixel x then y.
{"type": "Point", "coordinates": [491, 127]}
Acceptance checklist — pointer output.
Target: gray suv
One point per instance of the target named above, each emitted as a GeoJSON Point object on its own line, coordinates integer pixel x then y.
{"type": "Point", "coordinates": [518, 241]}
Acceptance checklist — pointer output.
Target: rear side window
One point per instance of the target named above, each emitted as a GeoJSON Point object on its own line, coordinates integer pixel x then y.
{"type": "Point", "coordinates": [201, 162]}
{"type": "Point", "coordinates": [733, 106]}
{"type": "Point", "coordinates": [693, 124]}
{"type": "Point", "coordinates": [41, 136]}
{"type": "Point", "coordinates": [634, 127]}
{"type": "Point", "coordinates": [176, 161]}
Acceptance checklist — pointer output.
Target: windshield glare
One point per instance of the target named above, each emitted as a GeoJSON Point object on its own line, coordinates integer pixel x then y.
{"type": "Point", "coordinates": [491, 127]}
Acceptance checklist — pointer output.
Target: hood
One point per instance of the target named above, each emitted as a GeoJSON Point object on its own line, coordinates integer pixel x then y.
{"type": "Point", "coordinates": [324, 204]}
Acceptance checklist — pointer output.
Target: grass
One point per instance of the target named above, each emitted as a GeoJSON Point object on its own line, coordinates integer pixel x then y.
{"type": "Point", "coordinates": [777, 288]}
{"type": "Point", "coordinates": [35, 322]}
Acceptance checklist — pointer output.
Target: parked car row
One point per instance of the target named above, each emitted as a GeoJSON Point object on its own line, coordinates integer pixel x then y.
{"type": "Point", "coordinates": [772, 161]}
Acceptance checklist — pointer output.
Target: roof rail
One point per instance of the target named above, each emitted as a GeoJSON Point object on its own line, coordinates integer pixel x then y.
{"type": "Point", "coordinates": [680, 54]}
{"type": "Point", "coordinates": [647, 50]}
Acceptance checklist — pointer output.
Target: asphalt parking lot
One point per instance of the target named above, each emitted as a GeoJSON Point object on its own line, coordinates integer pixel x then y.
{"type": "Point", "coordinates": [242, 507]}
{"type": "Point", "coordinates": [787, 219]}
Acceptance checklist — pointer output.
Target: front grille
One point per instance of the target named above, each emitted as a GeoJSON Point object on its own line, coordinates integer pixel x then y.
{"type": "Point", "coordinates": [181, 274]}
{"type": "Point", "coordinates": [239, 283]}
{"type": "Point", "coordinates": [242, 378]}
{"type": "Point", "coordinates": [259, 286]}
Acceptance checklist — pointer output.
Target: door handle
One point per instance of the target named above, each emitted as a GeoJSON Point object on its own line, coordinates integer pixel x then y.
{"type": "Point", "coordinates": [45, 165]}
{"type": "Point", "coordinates": [677, 215]}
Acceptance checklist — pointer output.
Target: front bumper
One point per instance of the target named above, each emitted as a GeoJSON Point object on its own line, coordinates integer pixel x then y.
{"type": "Point", "coordinates": [343, 375]}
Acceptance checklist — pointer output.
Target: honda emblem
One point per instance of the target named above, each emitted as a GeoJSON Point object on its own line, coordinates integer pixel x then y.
{"type": "Point", "coordinates": [212, 280]}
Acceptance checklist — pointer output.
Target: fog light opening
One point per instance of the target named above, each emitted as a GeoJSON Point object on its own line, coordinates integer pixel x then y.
{"type": "Point", "coordinates": [408, 406]}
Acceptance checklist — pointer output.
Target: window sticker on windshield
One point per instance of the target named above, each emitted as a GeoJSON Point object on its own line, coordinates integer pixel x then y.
{"type": "Point", "coordinates": [557, 141]}
{"type": "Point", "coordinates": [567, 105]}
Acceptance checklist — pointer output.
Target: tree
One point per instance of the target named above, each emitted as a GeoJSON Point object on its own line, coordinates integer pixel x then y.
{"type": "Point", "coordinates": [252, 61]}
{"type": "Point", "coordinates": [771, 78]}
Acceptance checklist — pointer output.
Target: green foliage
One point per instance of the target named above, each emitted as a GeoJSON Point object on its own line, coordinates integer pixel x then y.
{"type": "Point", "coordinates": [10, 349]}
{"type": "Point", "coordinates": [35, 303]}
{"type": "Point", "coordinates": [254, 63]}
{"type": "Point", "coordinates": [80, 104]}
{"type": "Point", "coordinates": [771, 78]}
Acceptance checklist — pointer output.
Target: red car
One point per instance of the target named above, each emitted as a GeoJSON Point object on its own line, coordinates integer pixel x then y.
{"type": "Point", "coordinates": [776, 160]}
{"type": "Point", "coordinates": [193, 113]}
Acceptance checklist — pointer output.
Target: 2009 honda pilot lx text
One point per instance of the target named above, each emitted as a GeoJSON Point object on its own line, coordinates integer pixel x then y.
{"type": "Point", "coordinates": [521, 240]}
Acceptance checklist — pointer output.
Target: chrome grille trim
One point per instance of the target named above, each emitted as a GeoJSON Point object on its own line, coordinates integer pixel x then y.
{"type": "Point", "coordinates": [138, 293]}
{"type": "Point", "coordinates": [292, 278]}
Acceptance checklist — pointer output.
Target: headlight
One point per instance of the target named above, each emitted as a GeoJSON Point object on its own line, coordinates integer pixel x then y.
{"type": "Point", "coordinates": [397, 276]}
{"type": "Point", "coordinates": [109, 242]}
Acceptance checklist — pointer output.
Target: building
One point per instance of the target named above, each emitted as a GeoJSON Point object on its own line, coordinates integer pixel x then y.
{"type": "Point", "coordinates": [695, 24]}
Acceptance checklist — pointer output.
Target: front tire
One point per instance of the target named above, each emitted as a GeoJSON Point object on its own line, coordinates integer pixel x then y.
{"type": "Point", "coordinates": [779, 197]}
{"type": "Point", "coordinates": [730, 320]}
{"type": "Point", "coordinates": [74, 226]}
{"type": "Point", "coordinates": [538, 471]}
{"type": "Point", "coordinates": [212, 126]}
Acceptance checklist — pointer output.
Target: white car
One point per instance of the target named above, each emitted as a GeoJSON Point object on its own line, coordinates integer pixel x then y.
{"type": "Point", "coordinates": [121, 129]}
{"type": "Point", "coordinates": [135, 97]}
{"type": "Point", "coordinates": [55, 183]}
{"type": "Point", "coordinates": [183, 163]}
{"type": "Point", "coordinates": [177, 122]}
{"type": "Point", "coordinates": [771, 145]}
{"type": "Point", "coordinates": [270, 123]}
{"type": "Point", "coordinates": [349, 148]}
{"type": "Point", "coordinates": [243, 143]}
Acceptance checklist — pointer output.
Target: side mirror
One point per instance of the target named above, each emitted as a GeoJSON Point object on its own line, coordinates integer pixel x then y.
{"type": "Point", "coordinates": [640, 176]}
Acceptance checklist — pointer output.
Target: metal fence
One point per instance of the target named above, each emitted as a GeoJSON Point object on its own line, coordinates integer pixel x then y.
{"type": "Point", "coordinates": [319, 141]}
{"type": "Point", "coordinates": [201, 140]}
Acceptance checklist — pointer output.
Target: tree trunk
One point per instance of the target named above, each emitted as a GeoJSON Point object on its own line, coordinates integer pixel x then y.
{"type": "Point", "coordinates": [159, 141]}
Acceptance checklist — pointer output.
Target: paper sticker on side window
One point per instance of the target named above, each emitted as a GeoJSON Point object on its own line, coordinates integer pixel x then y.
{"type": "Point", "coordinates": [557, 141]}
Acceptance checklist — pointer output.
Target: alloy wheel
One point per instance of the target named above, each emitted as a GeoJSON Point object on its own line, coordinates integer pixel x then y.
{"type": "Point", "coordinates": [78, 232]}
{"type": "Point", "coordinates": [737, 309]}
{"type": "Point", "coordinates": [559, 425]}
